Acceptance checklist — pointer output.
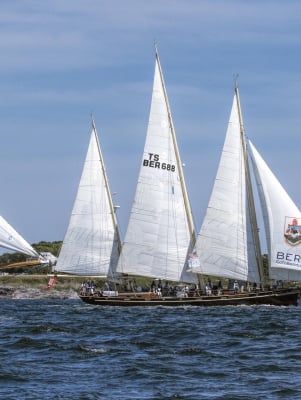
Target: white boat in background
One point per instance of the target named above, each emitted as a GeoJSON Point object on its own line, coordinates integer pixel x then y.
{"type": "Point", "coordinates": [48, 258]}
{"type": "Point", "coordinates": [91, 245]}
{"type": "Point", "coordinates": [10, 239]}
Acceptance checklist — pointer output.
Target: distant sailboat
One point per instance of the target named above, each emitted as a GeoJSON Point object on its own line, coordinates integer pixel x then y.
{"type": "Point", "coordinates": [228, 242]}
{"type": "Point", "coordinates": [12, 240]}
{"type": "Point", "coordinates": [91, 245]}
{"type": "Point", "coordinates": [160, 240]}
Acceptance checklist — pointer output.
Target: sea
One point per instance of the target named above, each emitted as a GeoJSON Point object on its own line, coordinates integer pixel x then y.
{"type": "Point", "coordinates": [65, 349]}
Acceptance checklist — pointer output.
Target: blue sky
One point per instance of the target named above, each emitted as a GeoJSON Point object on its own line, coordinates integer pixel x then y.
{"type": "Point", "coordinates": [62, 60]}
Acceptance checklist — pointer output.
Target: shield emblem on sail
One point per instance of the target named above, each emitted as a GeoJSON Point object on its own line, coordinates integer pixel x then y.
{"type": "Point", "coordinates": [292, 232]}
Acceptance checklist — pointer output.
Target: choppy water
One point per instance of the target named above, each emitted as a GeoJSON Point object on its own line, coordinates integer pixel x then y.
{"type": "Point", "coordinates": [65, 349]}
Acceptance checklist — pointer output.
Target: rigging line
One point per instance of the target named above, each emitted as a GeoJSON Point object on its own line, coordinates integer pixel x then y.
{"type": "Point", "coordinates": [179, 163]}
{"type": "Point", "coordinates": [109, 196]}
{"type": "Point", "coordinates": [250, 191]}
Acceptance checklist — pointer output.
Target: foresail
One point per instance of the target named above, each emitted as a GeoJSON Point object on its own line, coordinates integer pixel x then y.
{"type": "Point", "coordinates": [12, 240]}
{"type": "Point", "coordinates": [282, 221]}
{"type": "Point", "coordinates": [159, 236]}
{"type": "Point", "coordinates": [224, 244]}
{"type": "Point", "coordinates": [91, 245]}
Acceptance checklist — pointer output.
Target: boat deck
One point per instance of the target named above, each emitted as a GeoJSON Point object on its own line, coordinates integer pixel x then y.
{"type": "Point", "coordinates": [283, 297]}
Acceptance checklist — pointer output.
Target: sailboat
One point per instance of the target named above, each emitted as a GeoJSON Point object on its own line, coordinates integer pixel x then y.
{"type": "Point", "coordinates": [12, 240]}
{"type": "Point", "coordinates": [91, 245]}
{"type": "Point", "coordinates": [160, 240]}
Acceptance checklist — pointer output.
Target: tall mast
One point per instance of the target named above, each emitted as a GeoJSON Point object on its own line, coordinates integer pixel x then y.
{"type": "Point", "coordinates": [181, 174]}
{"type": "Point", "coordinates": [251, 205]}
{"type": "Point", "coordinates": [112, 208]}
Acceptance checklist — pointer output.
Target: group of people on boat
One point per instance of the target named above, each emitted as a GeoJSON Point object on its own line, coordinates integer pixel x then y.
{"type": "Point", "coordinates": [87, 288]}
{"type": "Point", "coordinates": [164, 289]}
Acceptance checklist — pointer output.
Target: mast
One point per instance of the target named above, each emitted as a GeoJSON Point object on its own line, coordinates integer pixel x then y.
{"type": "Point", "coordinates": [250, 195]}
{"type": "Point", "coordinates": [112, 208]}
{"type": "Point", "coordinates": [181, 173]}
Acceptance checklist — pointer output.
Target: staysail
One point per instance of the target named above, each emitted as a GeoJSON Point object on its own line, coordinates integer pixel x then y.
{"type": "Point", "coordinates": [225, 245]}
{"type": "Point", "coordinates": [160, 232]}
{"type": "Point", "coordinates": [12, 240]}
{"type": "Point", "coordinates": [92, 243]}
{"type": "Point", "coordinates": [282, 221]}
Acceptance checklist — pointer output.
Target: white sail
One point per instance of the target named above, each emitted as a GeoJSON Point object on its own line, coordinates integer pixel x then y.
{"type": "Point", "coordinates": [12, 240]}
{"type": "Point", "coordinates": [228, 242]}
{"type": "Point", "coordinates": [225, 244]}
{"type": "Point", "coordinates": [91, 245]}
{"type": "Point", "coordinates": [160, 232]}
{"type": "Point", "coordinates": [282, 221]}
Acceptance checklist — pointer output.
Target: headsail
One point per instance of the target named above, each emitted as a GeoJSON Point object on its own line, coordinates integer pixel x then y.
{"type": "Point", "coordinates": [282, 221]}
{"type": "Point", "coordinates": [92, 244]}
{"type": "Point", "coordinates": [160, 231]}
{"type": "Point", "coordinates": [12, 240]}
{"type": "Point", "coordinates": [225, 244]}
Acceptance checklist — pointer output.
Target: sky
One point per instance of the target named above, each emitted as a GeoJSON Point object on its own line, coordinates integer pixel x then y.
{"type": "Point", "coordinates": [65, 59]}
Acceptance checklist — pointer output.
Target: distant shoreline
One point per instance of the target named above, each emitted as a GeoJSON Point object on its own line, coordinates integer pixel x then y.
{"type": "Point", "coordinates": [19, 286]}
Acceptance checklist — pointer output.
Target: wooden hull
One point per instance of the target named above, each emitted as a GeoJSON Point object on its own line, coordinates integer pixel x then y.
{"type": "Point", "coordinates": [278, 298]}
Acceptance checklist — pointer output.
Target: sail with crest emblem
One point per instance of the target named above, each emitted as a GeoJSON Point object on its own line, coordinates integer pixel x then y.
{"type": "Point", "coordinates": [282, 221]}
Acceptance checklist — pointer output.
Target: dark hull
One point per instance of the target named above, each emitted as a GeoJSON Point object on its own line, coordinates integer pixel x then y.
{"type": "Point", "coordinates": [279, 298]}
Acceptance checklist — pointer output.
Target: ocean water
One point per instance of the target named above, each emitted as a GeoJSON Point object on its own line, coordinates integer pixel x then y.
{"type": "Point", "coordinates": [65, 349]}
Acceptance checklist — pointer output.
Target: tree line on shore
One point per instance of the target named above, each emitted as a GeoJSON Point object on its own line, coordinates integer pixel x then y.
{"type": "Point", "coordinates": [54, 248]}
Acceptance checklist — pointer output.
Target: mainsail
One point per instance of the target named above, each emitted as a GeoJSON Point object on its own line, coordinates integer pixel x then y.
{"type": "Point", "coordinates": [282, 221]}
{"type": "Point", "coordinates": [225, 243]}
{"type": "Point", "coordinates": [228, 241]}
{"type": "Point", "coordinates": [92, 243]}
{"type": "Point", "coordinates": [160, 232]}
{"type": "Point", "coordinates": [12, 240]}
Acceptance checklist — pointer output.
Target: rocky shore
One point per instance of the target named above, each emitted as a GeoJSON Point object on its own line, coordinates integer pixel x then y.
{"type": "Point", "coordinates": [22, 286]}
{"type": "Point", "coordinates": [33, 293]}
